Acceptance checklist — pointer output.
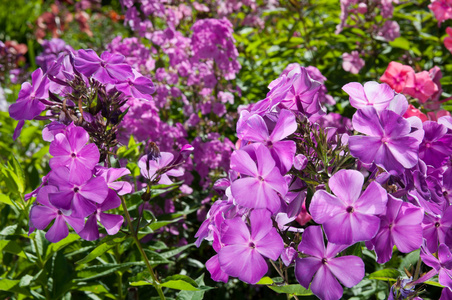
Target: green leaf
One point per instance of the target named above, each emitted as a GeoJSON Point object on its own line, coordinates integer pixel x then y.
{"type": "Point", "coordinates": [433, 283]}
{"type": "Point", "coordinates": [72, 237]}
{"type": "Point", "coordinates": [404, 44]}
{"type": "Point", "coordinates": [193, 295]}
{"type": "Point", "coordinates": [156, 258]}
{"type": "Point", "coordinates": [5, 199]}
{"type": "Point", "coordinates": [93, 272]}
{"type": "Point", "coordinates": [294, 289]}
{"type": "Point", "coordinates": [176, 251]}
{"type": "Point", "coordinates": [12, 286]}
{"type": "Point", "coordinates": [179, 285]}
{"type": "Point", "coordinates": [12, 247]}
{"type": "Point", "coordinates": [385, 275]}
{"type": "Point", "coordinates": [265, 280]}
{"type": "Point", "coordinates": [101, 249]}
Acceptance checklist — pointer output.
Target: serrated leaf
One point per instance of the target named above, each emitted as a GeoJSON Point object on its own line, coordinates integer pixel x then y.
{"type": "Point", "coordinates": [385, 275]}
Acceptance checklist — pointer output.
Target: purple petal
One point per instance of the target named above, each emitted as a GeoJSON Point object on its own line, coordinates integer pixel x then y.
{"type": "Point", "coordinates": [271, 245]}
{"type": "Point", "coordinates": [407, 237]}
{"type": "Point", "coordinates": [347, 185]}
{"type": "Point", "coordinates": [213, 266]}
{"type": "Point", "coordinates": [356, 92]}
{"type": "Point", "coordinates": [41, 216]}
{"type": "Point", "coordinates": [325, 286]}
{"type": "Point", "coordinates": [236, 233]}
{"type": "Point", "coordinates": [348, 269]}
{"type": "Point", "coordinates": [81, 207]}
{"type": "Point", "coordinates": [256, 129]}
{"type": "Point", "coordinates": [242, 262]}
{"type": "Point", "coordinates": [242, 163]}
{"type": "Point", "coordinates": [366, 121]}
{"type": "Point", "coordinates": [285, 126]}
{"type": "Point", "coordinates": [111, 201]}
{"type": "Point", "coordinates": [58, 231]}
{"type": "Point", "coordinates": [373, 200]}
{"type": "Point", "coordinates": [405, 151]}
{"type": "Point", "coordinates": [305, 268]}
{"type": "Point", "coordinates": [383, 244]}
{"type": "Point", "coordinates": [95, 189]}
{"type": "Point", "coordinates": [62, 200]}
{"type": "Point", "coordinates": [265, 163]}
{"type": "Point", "coordinates": [253, 193]}
{"type": "Point", "coordinates": [261, 223]}
{"type": "Point", "coordinates": [91, 231]}
{"type": "Point", "coordinates": [312, 242]}
{"type": "Point", "coordinates": [112, 223]}
{"type": "Point", "coordinates": [324, 206]}
{"type": "Point", "coordinates": [378, 94]}
{"type": "Point", "coordinates": [364, 147]}
{"type": "Point", "coordinates": [283, 153]}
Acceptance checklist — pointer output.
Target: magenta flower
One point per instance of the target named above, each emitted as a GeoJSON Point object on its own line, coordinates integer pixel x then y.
{"type": "Point", "coordinates": [261, 188]}
{"type": "Point", "coordinates": [325, 267]}
{"type": "Point", "coordinates": [437, 144]}
{"type": "Point", "coordinates": [401, 225]}
{"type": "Point", "coordinates": [112, 174]}
{"type": "Point", "coordinates": [371, 94]}
{"type": "Point", "coordinates": [420, 86]}
{"type": "Point", "coordinates": [255, 129]}
{"type": "Point", "coordinates": [441, 264]}
{"type": "Point", "coordinates": [149, 168]}
{"type": "Point", "coordinates": [243, 253]}
{"type": "Point", "coordinates": [70, 150]}
{"type": "Point", "coordinates": [352, 62]}
{"type": "Point", "coordinates": [111, 222]}
{"type": "Point", "coordinates": [108, 68]}
{"type": "Point", "coordinates": [350, 216]}
{"type": "Point", "coordinates": [76, 196]}
{"type": "Point", "coordinates": [138, 86]}
{"type": "Point", "coordinates": [42, 215]}
{"type": "Point", "coordinates": [213, 266]}
{"type": "Point", "coordinates": [28, 104]}
{"type": "Point", "coordinates": [389, 142]}
{"type": "Point", "coordinates": [435, 228]}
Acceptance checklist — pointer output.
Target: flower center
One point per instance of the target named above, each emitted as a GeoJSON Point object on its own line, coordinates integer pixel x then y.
{"type": "Point", "coordinates": [385, 140]}
{"type": "Point", "coordinates": [73, 155]}
{"type": "Point", "coordinates": [428, 145]}
{"type": "Point", "coordinates": [350, 209]}
{"type": "Point", "coordinates": [437, 224]}
{"type": "Point", "coordinates": [324, 261]}
{"type": "Point", "coordinates": [252, 245]}
{"type": "Point", "coordinates": [60, 213]}
{"type": "Point", "coordinates": [260, 178]}
{"type": "Point", "coordinates": [76, 189]}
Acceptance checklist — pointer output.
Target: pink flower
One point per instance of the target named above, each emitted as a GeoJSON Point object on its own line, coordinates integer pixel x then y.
{"type": "Point", "coordinates": [448, 40]}
{"type": "Point", "coordinates": [414, 112]}
{"type": "Point", "coordinates": [420, 86]}
{"type": "Point", "coordinates": [395, 75]}
{"type": "Point", "coordinates": [352, 62]}
{"type": "Point", "coordinates": [442, 10]}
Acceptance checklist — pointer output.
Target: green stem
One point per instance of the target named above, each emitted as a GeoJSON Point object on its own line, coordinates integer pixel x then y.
{"type": "Point", "coordinates": [418, 269]}
{"type": "Point", "coordinates": [155, 282]}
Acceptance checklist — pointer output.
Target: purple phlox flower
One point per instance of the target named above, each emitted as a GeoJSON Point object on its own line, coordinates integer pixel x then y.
{"type": "Point", "coordinates": [70, 150]}
{"type": "Point", "coordinates": [214, 268]}
{"type": "Point", "coordinates": [255, 129]}
{"type": "Point", "coordinates": [288, 255]}
{"type": "Point", "coordinates": [28, 104]}
{"type": "Point", "coordinates": [371, 94]}
{"type": "Point", "coordinates": [399, 105]}
{"type": "Point", "coordinates": [325, 267]}
{"type": "Point", "coordinates": [77, 196]}
{"type": "Point", "coordinates": [42, 215]}
{"type": "Point", "coordinates": [264, 181]}
{"type": "Point", "coordinates": [60, 72]}
{"type": "Point", "coordinates": [112, 174]}
{"type": "Point", "coordinates": [243, 253]}
{"type": "Point", "coordinates": [111, 222]}
{"type": "Point", "coordinates": [295, 197]}
{"type": "Point", "coordinates": [151, 169]}
{"type": "Point", "coordinates": [446, 121]}
{"type": "Point", "coordinates": [44, 182]}
{"type": "Point", "coordinates": [435, 228]}
{"type": "Point", "coordinates": [350, 216]}
{"type": "Point", "coordinates": [279, 88]}
{"type": "Point", "coordinates": [447, 184]}
{"type": "Point", "coordinates": [52, 129]}
{"type": "Point", "coordinates": [282, 219]}
{"type": "Point", "coordinates": [108, 68]}
{"type": "Point", "coordinates": [446, 294]}
{"type": "Point", "coordinates": [441, 264]}
{"type": "Point", "coordinates": [401, 225]}
{"type": "Point", "coordinates": [388, 141]}
{"type": "Point", "coordinates": [437, 144]}
{"type": "Point", "coordinates": [303, 94]}
{"type": "Point", "coordinates": [138, 86]}
{"type": "Point", "coordinates": [403, 289]}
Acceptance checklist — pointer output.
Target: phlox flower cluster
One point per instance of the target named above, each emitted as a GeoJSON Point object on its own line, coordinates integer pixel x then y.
{"type": "Point", "coordinates": [200, 67]}
{"type": "Point", "coordinates": [386, 184]}
{"type": "Point", "coordinates": [442, 9]}
{"type": "Point", "coordinates": [356, 14]}
{"type": "Point", "coordinates": [83, 96]}
{"type": "Point", "coordinates": [11, 62]}
{"type": "Point", "coordinates": [424, 86]}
